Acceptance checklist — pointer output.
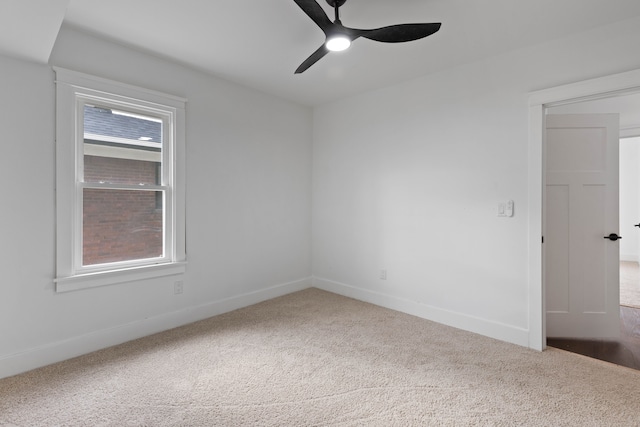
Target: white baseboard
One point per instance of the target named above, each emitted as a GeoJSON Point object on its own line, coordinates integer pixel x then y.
{"type": "Point", "coordinates": [47, 354]}
{"type": "Point", "coordinates": [630, 257]}
{"type": "Point", "coordinates": [476, 325]}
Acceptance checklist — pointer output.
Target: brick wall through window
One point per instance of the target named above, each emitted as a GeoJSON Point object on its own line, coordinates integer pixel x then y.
{"type": "Point", "coordinates": [120, 225]}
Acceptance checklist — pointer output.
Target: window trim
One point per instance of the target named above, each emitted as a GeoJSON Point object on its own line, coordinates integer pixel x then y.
{"type": "Point", "coordinates": [73, 89]}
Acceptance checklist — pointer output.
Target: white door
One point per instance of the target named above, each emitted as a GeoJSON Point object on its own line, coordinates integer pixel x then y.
{"type": "Point", "coordinates": [581, 208]}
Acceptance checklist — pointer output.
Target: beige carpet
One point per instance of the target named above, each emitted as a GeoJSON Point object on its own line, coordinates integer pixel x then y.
{"type": "Point", "coordinates": [629, 284]}
{"type": "Point", "coordinates": [317, 359]}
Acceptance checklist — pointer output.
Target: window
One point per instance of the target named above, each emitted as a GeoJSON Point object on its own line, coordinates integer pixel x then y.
{"type": "Point", "coordinates": [119, 182]}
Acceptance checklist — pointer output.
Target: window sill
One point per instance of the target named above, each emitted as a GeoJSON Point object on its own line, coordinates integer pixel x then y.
{"type": "Point", "coordinates": [112, 277]}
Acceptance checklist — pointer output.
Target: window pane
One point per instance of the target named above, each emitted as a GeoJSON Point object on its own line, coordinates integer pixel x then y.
{"type": "Point", "coordinates": [121, 225]}
{"type": "Point", "coordinates": [121, 147]}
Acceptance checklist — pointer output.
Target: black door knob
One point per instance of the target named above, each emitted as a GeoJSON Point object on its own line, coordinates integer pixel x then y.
{"type": "Point", "coordinates": [613, 236]}
{"type": "Point", "coordinates": [636, 225]}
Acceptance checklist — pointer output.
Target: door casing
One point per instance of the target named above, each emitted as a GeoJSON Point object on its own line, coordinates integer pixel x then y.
{"type": "Point", "coordinates": [603, 87]}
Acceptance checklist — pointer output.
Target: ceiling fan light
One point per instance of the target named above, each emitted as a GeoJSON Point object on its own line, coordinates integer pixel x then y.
{"type": "Point", "coordinates": [338, 42]}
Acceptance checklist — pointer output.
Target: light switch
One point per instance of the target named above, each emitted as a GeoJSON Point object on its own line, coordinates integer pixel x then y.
{"type": "Point", "coordinates": [505, 208]}
{"type": "Point", "coordinates": [509, 210]}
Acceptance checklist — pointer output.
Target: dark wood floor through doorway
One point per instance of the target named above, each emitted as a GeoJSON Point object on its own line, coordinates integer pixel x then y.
{"type": "Point", "coordinates": [625, 351]}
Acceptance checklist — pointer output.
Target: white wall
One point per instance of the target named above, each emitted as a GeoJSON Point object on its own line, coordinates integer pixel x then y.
{"type": "Point", "coordinates": [629, 199]}
{"type": "Point", "coordinates": [408, 179]}
{"type": "Point", "coordinates": [248, 207]}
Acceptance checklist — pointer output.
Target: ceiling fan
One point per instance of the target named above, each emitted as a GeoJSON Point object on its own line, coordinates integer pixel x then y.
{"type": "Point", "coordinates": [339, 37]}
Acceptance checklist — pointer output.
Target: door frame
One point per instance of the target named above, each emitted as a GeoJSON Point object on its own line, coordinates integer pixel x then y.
{"type": "Point", "coordinates": [603, 87]}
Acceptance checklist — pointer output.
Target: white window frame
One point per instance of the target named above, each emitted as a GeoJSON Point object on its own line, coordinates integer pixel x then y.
{"type": "Point", "coordinates": [73, 91]}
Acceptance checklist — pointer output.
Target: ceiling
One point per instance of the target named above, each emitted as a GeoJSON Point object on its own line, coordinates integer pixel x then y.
{"type": "Point", "coordinates": [259, 43]}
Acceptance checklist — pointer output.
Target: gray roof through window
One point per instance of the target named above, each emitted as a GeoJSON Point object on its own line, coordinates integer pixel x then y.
{"type": "Point", "coordinates": [102, 121]}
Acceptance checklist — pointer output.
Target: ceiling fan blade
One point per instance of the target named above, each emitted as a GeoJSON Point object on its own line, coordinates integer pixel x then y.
{"type": "Point", "coordinates": [315, 57]}
{"type": "Point", "coordinates": [399, 33]}
{"type": "Point", "coordinates": [316, 13]}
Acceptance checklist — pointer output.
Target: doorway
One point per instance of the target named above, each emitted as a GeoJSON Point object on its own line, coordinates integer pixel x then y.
{"type": "Point", "coordinates": [599, 88]}
{"type": "Point", "coordinates": [624, 350]}
{"type": "Point", "coordinates": [630, 221]}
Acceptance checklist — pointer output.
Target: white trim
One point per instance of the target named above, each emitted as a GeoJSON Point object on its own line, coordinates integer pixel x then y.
{"type": "Point", "coordinates": [122, 153]}
{"type": "Point", "coordinates": [47, 354]}
{"type": "Point", "coordinates": [630, 132]}
{"type": "Point", "coordinates": [630, 257]}
{"type": "Point", "coordinates": [73, 91]}
{"type": "Point", "coordinates": [118, 186]}
{"type": "Point", "coordinates": [603, 87]}
{"type": "Point", "coordinates": [535, 178]}
{"type": "Point", "coordinates": [125, 141]}
{"type": "Point", "coordinates": [122, 275]}
{"type": "Point", "coordinates": [88, 81]}
{"type": "Point", "coordinates": [587, 90]}
{"type": "Point", "coordinates": [476, 325]}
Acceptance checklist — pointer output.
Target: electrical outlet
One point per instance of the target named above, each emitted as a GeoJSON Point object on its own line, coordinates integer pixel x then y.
{"type": "Point", "coordinates": [178, 287]}
{"type": "Point", "coordinates": [383, 274]}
